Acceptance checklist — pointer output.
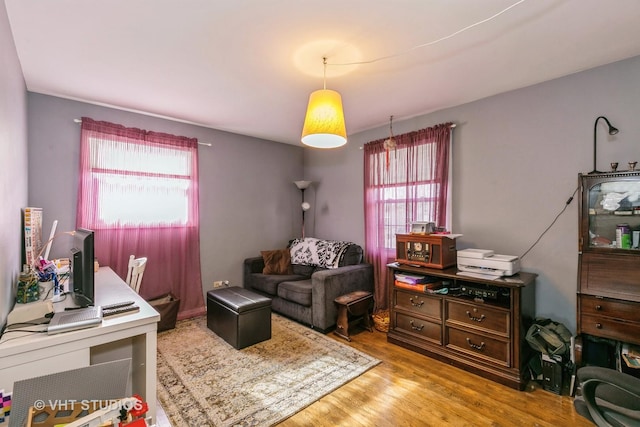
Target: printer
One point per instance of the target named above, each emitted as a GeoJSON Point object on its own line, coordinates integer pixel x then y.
{"type": "Point", "coordinates": [483, 261]}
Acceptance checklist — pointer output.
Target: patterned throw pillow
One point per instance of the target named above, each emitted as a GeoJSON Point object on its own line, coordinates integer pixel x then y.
{"type": "Point", "coordinates": [318, 252]}
{"type": "Point", "coordinates": [277, 261]}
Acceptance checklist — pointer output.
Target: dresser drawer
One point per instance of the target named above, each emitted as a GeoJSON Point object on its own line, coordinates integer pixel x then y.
{"type": "Point", "coordinates": [480, 346]}
{"type": "Point", "coordinates": [430, 331]}
{"type": "Point", "coordinates": [421, 304]}
{"type": "Point", "coordinates": [611, 328]}
{"type": "Point", "coordinates": [623, 310]}
{"type": "Point", "coordinates": [480, 317]}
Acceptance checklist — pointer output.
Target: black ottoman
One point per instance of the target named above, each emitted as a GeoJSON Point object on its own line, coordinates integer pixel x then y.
{"type": "Point", "coordinates": [239, 316]}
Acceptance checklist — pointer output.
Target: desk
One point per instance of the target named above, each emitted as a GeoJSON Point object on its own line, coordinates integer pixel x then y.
{"type": "Point", "coordinates": [28, 355]}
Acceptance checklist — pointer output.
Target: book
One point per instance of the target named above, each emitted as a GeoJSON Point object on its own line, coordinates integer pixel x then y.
{"type": "Point", "coordinates": [32, 219]}
{"type": "Point", "coordinates": [631, 356]}
{"type": "Point", "coordinates": [631, 361]}
{"type": "Point", "coordinates": [414, 278]}
{"type": "Point", "coordinates": [419, 287]}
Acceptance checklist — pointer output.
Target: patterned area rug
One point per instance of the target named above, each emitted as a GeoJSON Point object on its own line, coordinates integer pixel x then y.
{"type": "Point", "coordinates": [203, 381]}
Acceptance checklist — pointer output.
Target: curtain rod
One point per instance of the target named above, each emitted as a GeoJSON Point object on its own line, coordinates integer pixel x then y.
{"type": "Point", "coordinates": [208, 144]}
{"type": "Point", "coordinates": [452, 126]}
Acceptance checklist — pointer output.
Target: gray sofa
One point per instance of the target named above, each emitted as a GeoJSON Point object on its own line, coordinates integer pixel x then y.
{"type": "Point", "coordinates": [306, 293]}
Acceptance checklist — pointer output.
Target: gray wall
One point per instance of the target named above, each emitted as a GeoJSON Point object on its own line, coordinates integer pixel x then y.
{"type": "Point", "coordinates": [248, 201]}
{"type": "Point", "coordinates": [13, 173]}
{"type": "Point", "coordinates": [516, 160]}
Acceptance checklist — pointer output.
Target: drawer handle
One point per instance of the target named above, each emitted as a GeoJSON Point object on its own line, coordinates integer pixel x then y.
{"type": "Point", "coordinates": [598, 307]}
{"type": "Point", "coordinates": [416, 304]}
{"type": "Point", "coordinates": [416, 328]}
{"type": "Point", "coordinates": [475, 346]}
{"type": "Point", "coordinates": [599, 325]}
{"type": "Point", "coordinates": [477, 319]}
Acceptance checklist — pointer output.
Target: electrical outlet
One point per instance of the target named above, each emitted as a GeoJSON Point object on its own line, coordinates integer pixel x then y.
{"type": "Point", "coordinates": [220, 283]}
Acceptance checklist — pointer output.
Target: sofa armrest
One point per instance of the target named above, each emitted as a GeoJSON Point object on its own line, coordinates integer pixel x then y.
{"type": "Point", "coordinates": [327, 285]}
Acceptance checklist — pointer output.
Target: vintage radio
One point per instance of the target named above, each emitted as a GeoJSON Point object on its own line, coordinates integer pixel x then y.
{"type": "Point", "coordinates": [431, 250]}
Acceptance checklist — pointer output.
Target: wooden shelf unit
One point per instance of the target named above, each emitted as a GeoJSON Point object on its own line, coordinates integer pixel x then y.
{"type": "Point", "coordinates": [483, 336]}
{"type": "Point", "coordinates": [608, 295]}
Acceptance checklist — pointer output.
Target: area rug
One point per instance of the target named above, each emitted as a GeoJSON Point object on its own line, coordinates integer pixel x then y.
{"type": "Point", "coordinates": [203, 381]}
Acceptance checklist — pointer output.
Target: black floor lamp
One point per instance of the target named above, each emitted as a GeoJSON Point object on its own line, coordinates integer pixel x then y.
{"type": "Point", "coordinates": [612, 131]}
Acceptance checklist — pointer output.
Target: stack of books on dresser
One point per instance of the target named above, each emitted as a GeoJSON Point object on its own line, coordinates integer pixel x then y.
{"type": "Point", "coordinates": [417, 282]}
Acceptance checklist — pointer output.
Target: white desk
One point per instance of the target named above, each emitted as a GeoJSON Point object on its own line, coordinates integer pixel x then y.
{"type": "Point", "coordinates": [28, 355]}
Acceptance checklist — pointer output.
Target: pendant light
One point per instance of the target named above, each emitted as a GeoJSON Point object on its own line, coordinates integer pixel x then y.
{"type": "Point", "coordinates": [389, 143]}
{"type": "Point", "coordinates": [324, 125]}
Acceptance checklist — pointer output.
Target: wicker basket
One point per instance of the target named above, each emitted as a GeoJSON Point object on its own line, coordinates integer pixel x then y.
{"type": "Point", "coordinates": [381, 320]}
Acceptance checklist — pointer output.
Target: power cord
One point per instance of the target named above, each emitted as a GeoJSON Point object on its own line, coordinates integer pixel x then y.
{"type": "Point", "coordinates": [566, 204]}
{"type": "Point", "coordinates": [468, 27]}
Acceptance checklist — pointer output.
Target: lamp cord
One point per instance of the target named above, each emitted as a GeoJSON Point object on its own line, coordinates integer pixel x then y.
{"type": "Point", "coordinates": [324, 74]}
{"type": "Point", "coordinates": [468, 27]}
{"type": "Point", "coordinates": [567, 203]}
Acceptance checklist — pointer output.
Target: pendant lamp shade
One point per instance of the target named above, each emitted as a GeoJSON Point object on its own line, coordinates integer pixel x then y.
{"type": "Point", "coordinates": [324, 125]}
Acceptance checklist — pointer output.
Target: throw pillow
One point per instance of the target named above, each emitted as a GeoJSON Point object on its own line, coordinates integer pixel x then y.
{"type": "Point", "coordinates": [277, 261]}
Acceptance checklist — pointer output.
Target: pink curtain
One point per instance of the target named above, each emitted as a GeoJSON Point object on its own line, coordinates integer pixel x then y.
{"type": "Point", "coordinates": [403, 185]}
{"type": "Point", "coordinates": [138, 191]}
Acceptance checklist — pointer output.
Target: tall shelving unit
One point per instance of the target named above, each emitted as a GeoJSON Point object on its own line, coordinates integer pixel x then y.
{"type": "Point", "coordinates": [608, 300]}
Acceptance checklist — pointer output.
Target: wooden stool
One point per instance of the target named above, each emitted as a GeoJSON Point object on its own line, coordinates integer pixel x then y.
{"type": "Point", "coordinates": [357, 303]}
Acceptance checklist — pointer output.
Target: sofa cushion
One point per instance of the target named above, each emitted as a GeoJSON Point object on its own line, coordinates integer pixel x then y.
{"type": "Point", "coordinates": [303, 270]}
{"type": "Point", "coordinates": [277, 261]}
{"type": "Point", "coordinates": [298, 291]}
{"type": "Point", "coordinates": [352, 256]}
{"type": "Point", "coordinates": [268, 283]}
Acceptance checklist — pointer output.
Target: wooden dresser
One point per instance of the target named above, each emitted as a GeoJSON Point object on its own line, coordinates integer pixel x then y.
{"type": "Point", "coordinates": [608, 300]}
{"type": "Point", "coordinates": [478, 326]}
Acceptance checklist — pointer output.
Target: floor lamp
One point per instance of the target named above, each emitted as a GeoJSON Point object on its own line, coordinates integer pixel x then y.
{"type": "Point", "coordinates": [303, 185]}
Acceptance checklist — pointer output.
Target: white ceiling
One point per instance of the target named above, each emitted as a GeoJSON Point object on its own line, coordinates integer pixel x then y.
{"type": "Point", "coordinates": [248, 66]}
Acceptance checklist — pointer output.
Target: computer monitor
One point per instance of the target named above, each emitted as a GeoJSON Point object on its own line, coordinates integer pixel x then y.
{"type": "Point", "coordinates": [82, 259]}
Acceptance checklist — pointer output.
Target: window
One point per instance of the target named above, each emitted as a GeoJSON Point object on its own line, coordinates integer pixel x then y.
{"type": "Point", "coordinates": [140, 184]}
{"type": "Point", "coordinates": [402, 202]}
{"type": "Point", "coordinates": [138, 191]}
{"type": "Point", "coordinates": [407, 184]}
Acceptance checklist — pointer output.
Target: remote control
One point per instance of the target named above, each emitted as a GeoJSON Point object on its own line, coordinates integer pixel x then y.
{"type": "Point", "coordinates": [117, 305]}
{"type": "Point", "coordinates": [120, 310]}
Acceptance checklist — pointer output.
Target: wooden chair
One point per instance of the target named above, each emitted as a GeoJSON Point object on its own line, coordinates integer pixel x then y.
{"type": "Point", "coordinates": [135, 272]}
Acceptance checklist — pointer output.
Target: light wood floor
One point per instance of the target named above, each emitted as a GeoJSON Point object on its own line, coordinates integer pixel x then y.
{"type": "Point", "coordinates": [409, 389]}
